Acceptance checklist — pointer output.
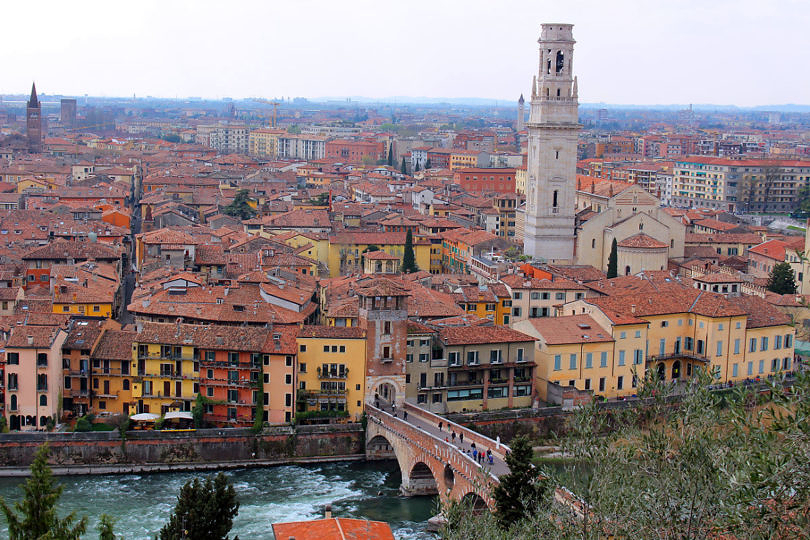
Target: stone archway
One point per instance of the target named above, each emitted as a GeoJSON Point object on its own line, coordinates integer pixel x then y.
{"type": "Point", "coordinates": [379, 448]}
{"type": "Point", "coordinates": [475, 501]}
{"type": "Point", "coordinates": [420, 481]}
{"type": "Point", "coordinates": [676, 370]}
{"type": "Point", "coordinates": [661, 369]}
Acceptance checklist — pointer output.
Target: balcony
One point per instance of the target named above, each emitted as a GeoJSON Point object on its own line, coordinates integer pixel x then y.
{"type": "Point", "coordinates": [337, 374]}
{"type": "Point", "coordinates": [462, 384]}
{"type": "Point", "coordinates": [688, 355]}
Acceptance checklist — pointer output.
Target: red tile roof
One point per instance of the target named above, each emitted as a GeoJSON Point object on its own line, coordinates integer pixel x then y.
{"type": "Point", "coordinates": [642, 241]}
{"type": "Point", "coordinates": [465, 335]}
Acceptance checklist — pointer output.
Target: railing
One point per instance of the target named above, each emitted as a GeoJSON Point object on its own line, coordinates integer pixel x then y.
{"type": "Point", "coordinates": [333, 374]}
{"type": "Point", "coordinates": [682, 354]}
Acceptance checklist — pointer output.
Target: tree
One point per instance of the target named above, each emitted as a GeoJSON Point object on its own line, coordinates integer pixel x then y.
{"type": "Point", "coordinates": [239, 206]}
{"type": "Point", "coordinates": [427, 164]}
{"type": "Point", "coordinates": [35, 516]}
{"type": "Point", "coordinates": [391, 155]}
{"type": "Point", "coordinates": [204, 511]}
{"type": "Point", "coordinates": [198, 411]}
{"type": "Point", "coordinates": [408, 258]}
{"type": "Point", "coordinates": [105, 528]}
{"type": "Point", "coordinates": [522, 490]}
{"type": "Point", "coordinates": [782, 279]}
{"type": "Point", "coordinates": [416, 167]}
{"type": "Point", "coordinates": [613, 261]}
{"type": "Point", "coordinates": [403, 169]}
{"type": "Point", "coordinates": [684, 462]}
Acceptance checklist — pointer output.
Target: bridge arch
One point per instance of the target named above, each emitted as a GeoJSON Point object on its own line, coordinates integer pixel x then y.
{"type": "Point", "coordinates": [420, 481]}
{"type": "Point", "coordinates": [474, 500]}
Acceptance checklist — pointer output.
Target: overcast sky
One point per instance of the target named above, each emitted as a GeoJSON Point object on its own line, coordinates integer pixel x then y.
{"type": "Point", "coordinates": [741, 52]}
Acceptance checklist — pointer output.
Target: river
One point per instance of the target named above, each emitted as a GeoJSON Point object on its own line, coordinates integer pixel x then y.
{"type": "Point", "coordinates": [141, 504]}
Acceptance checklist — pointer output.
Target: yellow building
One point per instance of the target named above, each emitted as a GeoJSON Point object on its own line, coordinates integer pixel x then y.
{"type": "Point", "coordinates": [94, 299]}
{"type": "Point", "coordinates": [346, 250]}
{"type": "Point", "coordinates": [112, 373]}
{"type": "Point", "coordinates": [576, 351]}
{"type": "Point", "coordinates": [492, 301]}
{"type": "Point", "coordinates": [317, 244]}
{"type": "Point", "coordinates": [264, 143]}
{"type": "Point", "coordinates": [165, 371]}
{"type": "Point", "coordinates": [462, 159]}
{"type": "Point", "coordinates": [331, 369]}
{"type": "Point", "coordinates": [676, 331]}
{"type": "Point", "coordinates": [520, 180]}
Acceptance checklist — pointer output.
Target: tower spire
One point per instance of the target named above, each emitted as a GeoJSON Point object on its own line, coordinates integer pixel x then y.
{"type": "Point", "coordinates": [33, 101]}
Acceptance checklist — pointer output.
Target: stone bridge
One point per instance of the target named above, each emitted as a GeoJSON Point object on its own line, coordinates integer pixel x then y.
{"type": "Point", "coordinates": [430, 461]}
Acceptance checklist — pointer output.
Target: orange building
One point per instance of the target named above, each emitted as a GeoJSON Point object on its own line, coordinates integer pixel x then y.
{"type": "Point", "coordinates": [476, 179]}
{"type": "Point", "coordinates": [355, 151]}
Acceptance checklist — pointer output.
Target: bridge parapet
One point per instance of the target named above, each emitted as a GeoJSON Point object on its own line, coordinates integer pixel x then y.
{"type": "Point", "coordinates": [470, 436]}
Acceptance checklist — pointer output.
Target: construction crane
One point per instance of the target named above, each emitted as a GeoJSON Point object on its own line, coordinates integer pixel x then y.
{"type": "Point", "coordinates": [275, 105]}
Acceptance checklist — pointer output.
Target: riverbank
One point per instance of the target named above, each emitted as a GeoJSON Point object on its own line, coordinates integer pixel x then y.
{"type": "Point", "coordinates": [150, 468]}
{"type": "Point", "coordinates": [156, 451]}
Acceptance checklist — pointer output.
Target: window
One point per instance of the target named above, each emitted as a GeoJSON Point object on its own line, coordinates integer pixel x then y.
{"type": "Point", "coordinates": [572, 361]}
{"type": "Point", "coordinates": [621, 358]}
{"type": "Point", "coordinates": [587, 384]}
{"type": "Point", "coordinates": [601, 384]}
{"type": "Point", "coordinates": [603, 359]}
{"type": "Point", "coordinates": [535, 296]}
{"type": "Point", "coordinates": [734, 370]}
{"type": "Point", "coordinates": [515, 312]}
{"type": "Point", "coordinates": [42, 360]}
{"type": "Point", "coordinates": [750, 368]}
{"type": "Point", "coordinates": [619, 382]}
{"type": "Point", "coordinates": [560, 296]}
{"type": "Point", "coordinates": [12, 382]}
{"type": "Point", "coordinates": [233, 358]}
{"type": "Point", "coordinates": [424, 357]}
{"type": "Point", "coordinates": [775, 364]}
{"type": "Point", "coordinates": [719, 348]}
{"type": "Point", "coordinates": [409, 357]}
{"type": "Point", "coordinates": [753, 345]}
{"type": "Point", "coordinates": [638, 356]}
{"type": "Point", "coordinates": [557, 362]}
{"type": "Point", "coordinates": [326, 348]}
{"type": "Point", "coordinates": [737, 346]}
{"type": "Point", "coordinates": [588, 360]}
{"type": "Point", "coordinates": [12, 358]}
{"type": "Point", "coordinates": [386, 353]}
{"type": "Point", "coordinates": [762, 366]}
{"type": "Point", "coordinates": [302, 348]}
{"type": "Point", "coordinates": [452, 359]}
{"type": "Point", "coordinates": [517, 295]}
{"type": "Point", "coordinates": [472, 358]}
{"type": "Point", "coordinates": [664, 324]}
{"type": "Point", "coordinates": [763, 346]}
{"type": "Point", "coordinates": [638, 333]}
{"type": "Point", "coordinates": [495, 356]}
{"type": "Point", "coordinates": [623, 335]}
{"type": "Point", "coordinates": [436, 398]}
{"type": "Point", "coordinates": [788, 341]}
{"type": "Point", "coordinates": [777, 342]}
{"type": "Point", "coordinates": [421, 398]}
{"type": "Point", "coordinates": [387, 327]}
{"type": "Point", "coordinates": [520, 355]}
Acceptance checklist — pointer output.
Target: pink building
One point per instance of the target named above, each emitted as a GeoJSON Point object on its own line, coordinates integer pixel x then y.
{"type": "Point", "coordinates": [33, 375]}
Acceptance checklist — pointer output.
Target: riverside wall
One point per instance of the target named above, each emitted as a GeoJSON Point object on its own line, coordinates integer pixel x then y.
{"type": "Point", "coordinates": [107, 452]}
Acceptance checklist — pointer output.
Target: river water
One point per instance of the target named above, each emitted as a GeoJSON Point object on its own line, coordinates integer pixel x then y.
{"type": "Point", "coordinates": [141, 504]}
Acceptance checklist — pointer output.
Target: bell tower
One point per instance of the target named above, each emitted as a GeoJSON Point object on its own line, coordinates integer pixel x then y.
{"type": "Point", "coordinates": [33, 122]}
{"type": "Point", "coordinates": [552, 155]}
{"type": "Point", "coordinates": [521, 118]}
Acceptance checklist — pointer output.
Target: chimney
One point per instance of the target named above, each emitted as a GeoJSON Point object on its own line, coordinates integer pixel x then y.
{"type": "Point", "coordinates": [327, 511]}
{"type": "Point", "coordinates": [632, 308]}
{"type": "Point", "coordinates": [30, 340]}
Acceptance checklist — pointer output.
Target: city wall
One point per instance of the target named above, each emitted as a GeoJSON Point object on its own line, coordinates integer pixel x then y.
{"type": "Point", "coordinates": [106, 452]}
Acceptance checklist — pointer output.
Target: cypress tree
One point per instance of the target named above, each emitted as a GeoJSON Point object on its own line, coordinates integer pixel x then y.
{"type": "Point", "coordinates": [522, 490]}
{"type": "Point", "coordinates": [391, 155]}
{"type": "Point", "coordinates": [613, 261]}
{"type": "Point", "coordinates": [204, 511]}
{"type": "Point", "coordinates": [408, 258]}
{"type": "Point", "coordinates": [35, 516]}
{"type": "Point", "coordinates": [782, 279]}
{"type": "Point", "coordinates": [403, 169]}
{"type": "Point", "coordinates": [427, 164]}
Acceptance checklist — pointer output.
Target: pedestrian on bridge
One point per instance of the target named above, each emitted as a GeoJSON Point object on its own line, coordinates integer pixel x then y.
{"type": "Point", "coordinates": [440, 426]}
{"type": "Point", "coordinates": [404, 415]}
{"type": "Point", "coordinates": [453, 436]}
{"type": "Point", "coordinates": [461, 438]}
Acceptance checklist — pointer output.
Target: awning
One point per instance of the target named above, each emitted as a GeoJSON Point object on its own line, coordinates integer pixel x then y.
{"type": "Point", "coordinates": [144, 417]}
{"type": "Point", "coordinates": [178, 414]}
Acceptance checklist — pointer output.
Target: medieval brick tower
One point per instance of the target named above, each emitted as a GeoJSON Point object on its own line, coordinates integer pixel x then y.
{"type": "Point", "coordinates": [384, 316]}
{"type": "Point", "coordinates": [521, 119]}
{"type": "Point", "coordinates": [551, 170]}
{"type": "Point", "coordinates": [33, 122]}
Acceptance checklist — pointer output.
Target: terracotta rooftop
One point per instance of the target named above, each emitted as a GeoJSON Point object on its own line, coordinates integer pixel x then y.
{"type": "Point", "coordinates": [642, 241]}
{"type": "Point", "coordinates": [571, 329]}
{"type": "Point", "coordinates": [465, 335]}
{"type": "Point", "coordinates": [333, 332]}
{"type": "Point", "coordinates": [333, 529]}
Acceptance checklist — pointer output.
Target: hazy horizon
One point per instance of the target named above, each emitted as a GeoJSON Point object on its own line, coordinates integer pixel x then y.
{"type": "Point", "coordinates": [627, 53]}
